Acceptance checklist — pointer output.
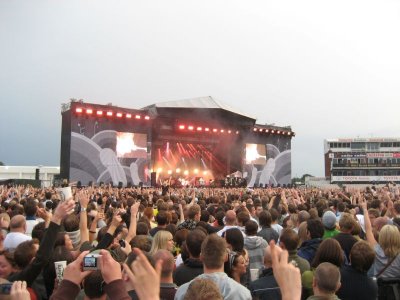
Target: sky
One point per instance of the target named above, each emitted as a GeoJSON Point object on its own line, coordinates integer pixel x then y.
{"type": "Point", "coordinates": [329, 69]}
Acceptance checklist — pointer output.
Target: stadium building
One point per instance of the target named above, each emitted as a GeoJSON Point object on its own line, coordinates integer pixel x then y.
{"type": "Point", "coordinates": [362, 160]}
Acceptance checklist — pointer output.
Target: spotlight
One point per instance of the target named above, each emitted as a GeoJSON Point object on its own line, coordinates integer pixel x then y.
{"type": "Point", "coordinates": [260, 130]}
{"type": "Point", "coordinates": [255, 129]}
{"type": "Point", "coordinates": [119, 115]}
{"type": "Point", "coordinates": [196, 171]}
{"type": "Point", "coordinates": [186, 172]}
{"type": "Point", "coordinates": [266, 130]}
{"type": "Point", "coordinates": [159, 170]}
{"type": "Point", "coordinates": [128, 116]}
{"type": "Point", "coordinates": [146, 117]}
{"type": "Point", "coordinates": [181, 127]}
{"type": "Point", "coordinates": [169, 172]}
{"type": "Point", "coordinates": [229, 131]}
{"type": "Point", "coordinates": [89, 111]}
{"type": "Point", "coordinates": [207, 129]}
{"type": "Point", "coordinates": [199, 129]}
{"type": "Point", "coordinates": [272, 131]}
{"type": "Point", "coordinates": [109, 113]}
{"type": "Point", "coordinates": [215, 130]}
{"type": "Point", "coordinates": [190, 127]}
{"type": "Point", "coordinates": [222, 131]}
{"type": "Point", "coordinates": [138, 117]}
{"type": "Point", "coordinates": [99, 112]}
{"type": "Point", "coordinates": [205, 172]}
{"type": "Point", "coordinates": [237, 131]}
{"type": "Point", "coordinates": [178, 170]}
{"type": "Point", "coordinates": [79, 110]}
{"type": "Point", "coordinates": [278, 132]}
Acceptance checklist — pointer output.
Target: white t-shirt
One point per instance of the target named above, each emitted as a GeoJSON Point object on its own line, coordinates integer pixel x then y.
{"type": "Point", "coordinates": [13, 239]}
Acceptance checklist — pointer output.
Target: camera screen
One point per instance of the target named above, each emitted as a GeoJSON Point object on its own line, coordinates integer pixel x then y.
{"type": "Point", "coordinates": [5, 288]}
{"type": "Point", "coordinates": [89, 261]}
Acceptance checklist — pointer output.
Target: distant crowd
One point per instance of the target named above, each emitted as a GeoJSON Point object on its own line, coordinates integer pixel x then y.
{"type": "Point", "coordinates": [199, 243]}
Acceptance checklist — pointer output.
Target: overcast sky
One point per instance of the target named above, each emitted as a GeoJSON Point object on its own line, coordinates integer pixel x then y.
{"type": "Point", "coordinates": [327, 68]}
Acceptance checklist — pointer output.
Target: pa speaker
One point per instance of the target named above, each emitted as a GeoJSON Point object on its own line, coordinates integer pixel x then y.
{"type": "Point", "coordinates": [153, 179]}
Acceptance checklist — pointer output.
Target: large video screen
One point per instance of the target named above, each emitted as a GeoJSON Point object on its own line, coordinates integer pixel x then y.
{"type": "Point", "coordinates": [256, 154]}
{"type": "Point", "coordinates": [131, 145]}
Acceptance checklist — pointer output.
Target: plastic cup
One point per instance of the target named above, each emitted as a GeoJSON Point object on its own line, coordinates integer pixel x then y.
{"type": "Point", "coordinates": [60, 266]}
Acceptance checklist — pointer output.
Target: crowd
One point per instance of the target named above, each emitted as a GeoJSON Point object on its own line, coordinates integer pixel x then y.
{"type": "Point", "coordinates": [205, 243]}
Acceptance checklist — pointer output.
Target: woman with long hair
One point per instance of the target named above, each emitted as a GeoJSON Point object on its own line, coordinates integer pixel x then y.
{"type": "Point", "coordinates": [163, 239]}
{"type": "Point", "coordinates": [387, 248]}
{"type": "Point", "coordinates": [328, 251]}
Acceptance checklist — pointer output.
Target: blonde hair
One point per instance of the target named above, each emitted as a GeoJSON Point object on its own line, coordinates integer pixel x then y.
{"type": "Point", "coordinates": [389, 240]}
{"type": "Point", "coordinates": [160, 241]}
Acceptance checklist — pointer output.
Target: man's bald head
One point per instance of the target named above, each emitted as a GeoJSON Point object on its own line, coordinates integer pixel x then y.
{"type": "Point", "coordinates": [230, 217]}
{"type": "Point", "coordinates": [268, 257]}
{"type": "Point", "coordinates": [17, 222]}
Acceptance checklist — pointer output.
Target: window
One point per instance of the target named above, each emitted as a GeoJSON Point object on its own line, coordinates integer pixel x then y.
{"type": "Point", "coordinates": [358, 146]}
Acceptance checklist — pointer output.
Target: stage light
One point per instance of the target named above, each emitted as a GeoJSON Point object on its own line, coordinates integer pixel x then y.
{"type": "Point", "coordinates": [99, 113]}
{"type": "Point", "coordinates": [237, 132]}
{"type": "Point", "coordinates": [207, 129]}
{"type": "Point", "coordinates": [190, 127]}
{"type": "Point", "coordinates": [205, 172]}
{"type": "Point", "coordinates": [128, 116]}
{"type": "Point", "coordinates": [196, 171]}
{"type": "Point", "coordinates": [199, 128]}
{"type": "Point", "coordinates": [278, 132]}
{"type": "Point", "coordinates": [186, 172]}
{"type": "Point", "coordinates": [138, 117]}
{"type": "Point", "coordinates": [146, 117]}
{"type": "Point", "coordinates": [229, 131]}
{"type": "Point", "coordinates": [181, 127]}
{"type": "Point", "coordinates": [215, 130]}
{"type": "Point", "coordinates": [159, 170]}
{"type": "Point", "coordinates": [222, 131]}
{"type": "Point", "coordinates": [272, 131]}
{"type": "Point", "coordinates": [79, 110]}
{"type": "Point", "coordinates": [89, 111]}
{"type": "Point", "coordinates": [260, 130]}
{"type": "Point", "coordinates": [109, 113]}
{"type": "Point", "coordinates": [255, 129]}
{"type": "Point", "coordinates": [266, 130]}
{"type": "Point", "coordinates": [178, 170]}
{"type": "Point", "coordinates": [169, 172]}
{"type": "Point", "coordinates": [119, 115]}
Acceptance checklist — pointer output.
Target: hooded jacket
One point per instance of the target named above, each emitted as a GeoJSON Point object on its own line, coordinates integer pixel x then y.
{"type": "Point", "coordinates": [255, 246]}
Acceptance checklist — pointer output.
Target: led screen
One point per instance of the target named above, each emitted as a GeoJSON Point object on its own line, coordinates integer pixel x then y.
{"type": "Point", "coordinates": [131, 145]}
{"type": "Point", "coordinates": [256, 154]}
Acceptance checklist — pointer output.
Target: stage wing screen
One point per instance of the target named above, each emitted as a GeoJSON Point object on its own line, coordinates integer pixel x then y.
{"type": "Point", "coordinates": [256, 154]}
{"type": "Point", "coordinates": [131, 145]}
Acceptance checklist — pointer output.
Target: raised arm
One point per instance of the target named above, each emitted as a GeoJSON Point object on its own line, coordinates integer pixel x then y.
{"type": "Point", "coordinates": [368, 227]}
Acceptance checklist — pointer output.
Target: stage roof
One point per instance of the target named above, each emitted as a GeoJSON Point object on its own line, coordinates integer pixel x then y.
{"type": "Point", "coordinates": [200, 102]}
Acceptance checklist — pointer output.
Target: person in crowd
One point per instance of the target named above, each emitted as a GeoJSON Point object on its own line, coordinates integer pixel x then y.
{"type": "Point", "coordinates": [387, 258]}
{"type": "Point", "coordinates": [193, 266]}
{"type": "Point", "coordinates": [329, 222]}
{"type": "Point", "coordinates": [355, 283]}
{"type": "Point", "coordinates": [162, 222]}
{"type": "Point", "coordinates": [328, 251]}
{"type": "Point", "coordinates": [275, 219]}
{"type": "Point", "coordinates": [167, 286]}
{"type": "Point", "coordinates": [345, 237]}
{"type": "Point", "coordinates": [235, 266]}
{"type": "Point", "coordinates": [213, 254]}
{"type": "Point", "coordinates": [162, 240]}
{"type": "Point", "coordinates": [266, 232]}
{"type": "Point", "coordinates": [289, 241]}
{"type": "Point", "coordinates": [315, 232]}
{"type": "Point", "coordinates": [17, 233]}
{"type": "Point", "coordinates": [303, 216]}
{"type": "Point", "coordinates": [255, 245]}
{"type": "Point", "coordinates": [203, 289]}
{"type": "Point", "coordinates": [266, 287]}
{"type": "Point", "coordinates": [31, 209]}
{"type": "Point", "coordinates": [193, 214]}
{"type": "Point", "coordinates": [326, 282]}
{"type": "Point", "coordinates": [230, 222]}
